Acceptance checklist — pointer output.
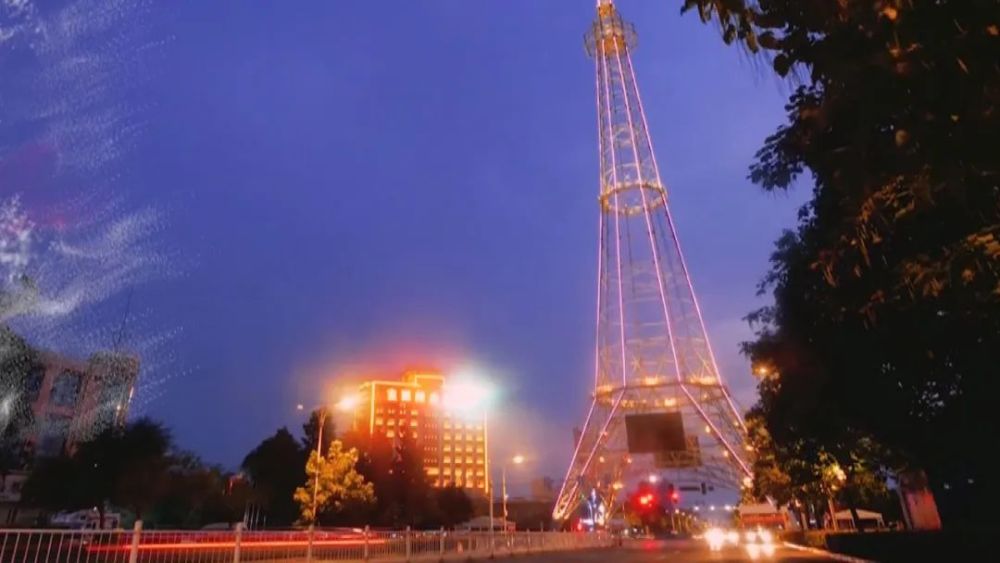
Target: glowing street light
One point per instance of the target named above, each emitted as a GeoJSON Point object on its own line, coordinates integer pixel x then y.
{"type": "Point", "coordinates": [653, 478]}
{"type": "Point", "coordinates": [517, 459]}
{"type": "Point", "coordinates": [348, 403]}
{"type": "Point", "coordinates": [467, 396]}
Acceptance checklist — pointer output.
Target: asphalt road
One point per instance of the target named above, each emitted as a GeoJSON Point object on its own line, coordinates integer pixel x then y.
{"type": "Point", "coordinates": [673, 551]}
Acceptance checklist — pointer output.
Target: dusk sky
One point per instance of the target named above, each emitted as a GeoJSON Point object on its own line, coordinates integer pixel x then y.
{"type": "Point", "coordinates": [354, 188]}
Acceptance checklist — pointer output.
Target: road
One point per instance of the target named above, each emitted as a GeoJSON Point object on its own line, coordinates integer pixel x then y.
{"type": "Point", "coordinates": [673, 551]}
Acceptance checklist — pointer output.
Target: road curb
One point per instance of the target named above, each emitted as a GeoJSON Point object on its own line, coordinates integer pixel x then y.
{"type": "Point", "coordinates": [830, 554]}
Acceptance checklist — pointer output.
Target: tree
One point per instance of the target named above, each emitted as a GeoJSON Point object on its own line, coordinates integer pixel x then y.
{"type": "Point", "coordinates": [403, 491]}
{"type": "Point", "coordinates": [19, 373]}
{"type": "Point", "coordinates": [120, 466]}
{"type": "Point", "coordinates": [337, 485]}
{"type": "Point", "coordinates": [310, 430]}
{"type": "Point", "coordinates": [123, 466]}
{"type": "Point", "coordinates": [54, 484]}
{"type": "Point", "coordinates": [196, 494]}
{"type": "Point", "coordinates": [886, 315]}
{"type": "Point", "coordinates": [453, 505]}
{"type": "Point", "coordinates": [275, 468]}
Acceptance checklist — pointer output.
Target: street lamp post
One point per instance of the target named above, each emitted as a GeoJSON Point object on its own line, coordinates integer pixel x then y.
{"type": "Point", "coordinates": [516, 460]}
{"type": "Point", "coordinates": [319, 454]}
{"type": "Point", "coordinates": [345, 404]}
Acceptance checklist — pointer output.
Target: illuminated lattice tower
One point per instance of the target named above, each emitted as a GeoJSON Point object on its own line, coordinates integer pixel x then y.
{"type": "Point", "coordinates": [659, 404]}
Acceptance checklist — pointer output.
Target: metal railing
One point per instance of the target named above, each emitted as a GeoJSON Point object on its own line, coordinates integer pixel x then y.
{"type": "Point", "coordinates": [234, 546]}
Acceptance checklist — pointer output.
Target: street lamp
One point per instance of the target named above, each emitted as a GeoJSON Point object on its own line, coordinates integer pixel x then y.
{"type": "Point", "coordinates": [346, 404]}
{"type": "Point", "coordinates": [467, 395]}
{"type": "Point", "coordinates": [319, 453]}
{"type": "Point", "coordinates": [516, 460]}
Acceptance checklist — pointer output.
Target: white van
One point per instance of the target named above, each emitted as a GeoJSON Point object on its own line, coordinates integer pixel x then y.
{"type": "Point", "coordinates": [85, 520]}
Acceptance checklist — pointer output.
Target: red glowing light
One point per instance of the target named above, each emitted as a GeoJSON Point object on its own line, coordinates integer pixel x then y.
{"type": "Point", "coordinates": [195, 545]}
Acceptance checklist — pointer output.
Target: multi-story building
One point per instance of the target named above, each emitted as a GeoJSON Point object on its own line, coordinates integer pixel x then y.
{"type": "Point", "coordinates": [73, 400]}
{"type": "Point", "coordinates": [70, 401]}
{"type": "Point", "coordinates": [454, 444]}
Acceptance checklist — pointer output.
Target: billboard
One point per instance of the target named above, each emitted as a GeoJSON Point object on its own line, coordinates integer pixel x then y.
{"type": "Point", "coordinates": [655, 433]}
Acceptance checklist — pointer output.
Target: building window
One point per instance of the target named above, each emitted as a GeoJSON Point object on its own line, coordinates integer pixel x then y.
{"type": "Point", "coordinates": [66, 389]}
{"type": "Point", "coordinates": [390, 433]}
{"type": "Point", "coordinates": [447, 471]}
{"type": "Point", "coordinates": [379, 421]}
{"type": "Point", "coordinates": [468, 459]}
{"type": "Point", "coordinates": [413, 422]}
{"type": "Point", "coordinates": [479, 472]}
{"type": "Point", "coordinates": [432, 471]}
{"type": "Point", "coordinates": [479, 438]}
{"type": "Point", "coordinates": [479, 449]}
{"type": "Point", "coordinates": [434, 398]}
{"type": "Point", "coordinates": [459, 471]}
{"type": "Point", "coordinates": [447, 424]}
{"type": "Point", "coordinates": [407, 395]}
{"type": "Point", "coordinates": [447, 459]}
{"type": "Point", "coordinates": [33, 386]}
{"type": "Point", "coordinates": [447, 447]}
{"type": "Point", "coordinates": [414, 434]}
{"type": "Point", "coordinates": [392, 422]}
{"type": "Point", "coordinates": [390, 394]}
{"type": "Point", "coordinates": [421, 396]}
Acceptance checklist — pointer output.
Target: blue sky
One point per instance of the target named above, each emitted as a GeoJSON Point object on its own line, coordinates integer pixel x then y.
{"type": "Point", "coordinates": [352, 188]}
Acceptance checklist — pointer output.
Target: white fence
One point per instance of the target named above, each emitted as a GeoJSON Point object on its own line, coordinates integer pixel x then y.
{"type": "Point", "coordinates": [233, 546]}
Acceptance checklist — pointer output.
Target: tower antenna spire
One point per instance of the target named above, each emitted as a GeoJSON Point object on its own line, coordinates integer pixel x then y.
{"type": "Point", "coordinates": [660, 409]}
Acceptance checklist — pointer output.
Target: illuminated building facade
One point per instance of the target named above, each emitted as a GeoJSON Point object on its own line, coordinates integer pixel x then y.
{"type": "Point", "coordinates": [454, 444]}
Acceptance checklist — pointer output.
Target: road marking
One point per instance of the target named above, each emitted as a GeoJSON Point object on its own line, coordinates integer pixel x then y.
{"type": "Point", "coordinates": [830, 554]}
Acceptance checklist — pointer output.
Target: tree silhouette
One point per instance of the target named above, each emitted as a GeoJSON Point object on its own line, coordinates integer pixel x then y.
{"type": "Point", "coordinates": [120, 466]}
{"type": "Point", "coordinates": [310, 430]}
{"type": "Point", "coordinates": [886, 318]}
{"type": "Point", "coordinates": [453, 506]}
{"type": "Point", "coordinates": [275, 468]}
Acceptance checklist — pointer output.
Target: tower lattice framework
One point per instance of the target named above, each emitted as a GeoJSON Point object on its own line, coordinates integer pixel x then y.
{"type": "Point", "coordinates": [652, 353]}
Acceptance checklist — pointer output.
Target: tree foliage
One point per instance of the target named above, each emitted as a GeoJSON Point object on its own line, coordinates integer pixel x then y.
{"type": "Point", "coordinates": [196, 494]}
{"type": "Point", "coordinates": [120, 466]}
{"type": "Point", "coordinates": [276, 469]}
{"type": "Point", "coordinates": [310, 430]}
{"type": "Point", "coordinates": [336, 483]}
{"type": "Point", "coordinates": [453, 506]}
{"type": "Point", "coordinates": [885, 324]}
{"type": "Point", "coordinates": [19, 364]}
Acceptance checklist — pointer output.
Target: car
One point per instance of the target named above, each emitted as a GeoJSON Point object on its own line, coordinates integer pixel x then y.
{"type": "Point", "coordinates": [759, 543]}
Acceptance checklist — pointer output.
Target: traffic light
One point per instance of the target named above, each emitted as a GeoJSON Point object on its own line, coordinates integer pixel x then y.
{"type": "Point", "coordinates": [704, 489]}
{"type": "Point", "coordinates": [672, 494]}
